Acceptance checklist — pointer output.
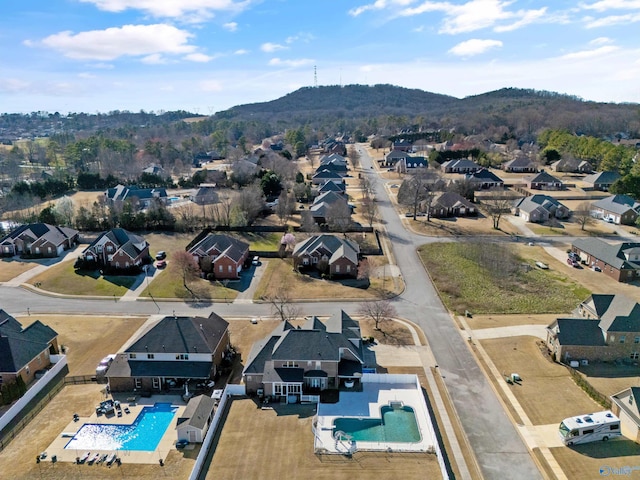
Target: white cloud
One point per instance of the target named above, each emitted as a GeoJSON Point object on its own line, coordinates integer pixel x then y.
{"type": "Point", "coordinates": [611, 20]}
{"type": "Point", "coordinates": [272, 47]}
{"type": "Point", "coordinates": [379, 5]}
{"type": "Point", "coordinates": [277, 62]}
{"type": "Point", "coordinates": [13, 85]}
{"type": "Point", "coordinates": [199, 57]}
{"type": "Point", "coordinates": [601, 41]}
{"type": "Point", "coordinates": [586, 54]}
{"type": "Point", "coordinates": [527, 17]}
{"type": "Point", "coordinates": [192, 10]}
{"type": "Point", "coordinates": [129, 40]}
{"type": "Point", "coordinates": [86, 75]}
{"type": "Point", "coordinates": [303, 37]}
{"type": "Point", "coordinates": [231, 26]}
{"type": "Point", "coordinates": [241, 51]}
{"type": "Point", "coordinates": [210, 86]}
{"type": "Point", "coordinates": [154, 59]}
{"type": "Point", "coordinates": [474, 46]}
{"type": "Point", "coordinates": [604, 5]}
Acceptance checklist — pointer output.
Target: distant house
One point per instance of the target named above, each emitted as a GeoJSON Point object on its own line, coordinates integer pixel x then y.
{"type": "Point", "coordinates": [624, 405]}
{"type": "Point", "coordinates": [139, 197]}
{"type": "Point", "coordinates": [333, 186]}
{"type": "Point", "coordinates": [484, 178]}
{"type": "Point", "coordinates": [339, 256]}
{"type": "Point", "coordinates": [572, 165]}
{"type": "Point", "coordinates": [221, 255]}
{"type": "Point", "coordinates": [402, 145]}
{"type": "Point", "coordinates": [207, 194]}
{"type": "Point", "coordinates": [324, 203]}
{"type": "Point", "coordinates": [619, 261]}
{"type": "Point", "coordinates": [451, 204]}
{"type": "Point", "coordinates": [294, 361]}
{"type": "Point", "coordinates": [540, 208]}
{"type": "Point", "coordinates": [206, 157]}
{"type": "Point", "coordinates": [38, 239]}
{"type": "Point", "coordinates": [606, 328]}
{"type": "Point", "coordinates": [543, 181]}
{"type": "Point", "coordinates": [333, 162]}
{"type": "Point", "coordinates": [602, 180]}
{"type": "Point", "coordinates": [24, 351]}
{"type": "Point", "coordinates": [618, 209]}
{"type": "Point", "coordinates": [194, 422]}
{"type": "Point", "coordinates": [393, 157]}
{"type": "Point", "coordinates": [117, 249]}
{"type": "Point", "coordinates": [176, 349]}
{"type": "Point", "coordinates": [154, 170]}
{"type": "Point", "coordinates": [461, 165]}
{"type": "Point", "coordinates": [324, 175]}
{"type": "Point", "coordinates": [520, 164]}
{"type": "Point", "coordinates": [409, 163]}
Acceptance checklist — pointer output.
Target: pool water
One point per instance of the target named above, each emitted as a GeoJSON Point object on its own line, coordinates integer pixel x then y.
{"type": "Point", "coordinates": [396, 425]}
{"type": "Point", "coordinates": [143, 434]}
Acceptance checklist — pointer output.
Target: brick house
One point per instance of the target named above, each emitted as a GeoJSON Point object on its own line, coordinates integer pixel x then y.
{"type": "Point", "coordinates": [117, 249]}
{"type": "Point", "coordinates": [38, 239]}
{"type": "Point", "coordinates": [520, 164]}
{"type": "Point", "coordinates": [174, 350]}
{"type": "Point", "coordinates": [24, 351]}
{"type": "Point", "coordinates": [140, 197]}
{"type": "Point", "coordinates": [619, 261]}
{"type": "Point", "coordinates": [617, 209]}
{"type": "Point", "coordinates": [451, 204]}
{"type": "Point", "coordinates": [339, 256]}
{"type": "Point", "coordinates": [544, 181]}
{"type": "Point", "coordinates": [221, 255]}
{"type": "Point", "coordinates": [540, 208]}
{"type": "Point", "coordinates": [602, 180]}
{"type": "Point", "coordinates": [460, 165]}
{"type": "Point", "coordinates": [625, 406]}
{"type": "Point", "coordinates": [483, 179]}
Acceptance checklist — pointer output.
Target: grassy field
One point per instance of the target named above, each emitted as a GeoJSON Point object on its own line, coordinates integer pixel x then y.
{"type": "Point", "coordinates": [12, 267]}
{"type": "Point", "coordinates": [88, 339]}
{"type": "Point", "coordinates": [497, 282]}
{"type": "Point", "coordinates": [63, 278]}
{"type": "Point", "coordinates": [585, 461]}
{"type": "Point", "coordinates": [168, 284]}
{"type": "Point", "coordinates": [269, 242]}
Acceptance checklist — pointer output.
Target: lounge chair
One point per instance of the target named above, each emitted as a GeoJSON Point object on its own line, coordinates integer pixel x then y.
{"type": "Point", "coordinates": [83, 458]}
{"type": "Point", "coordinates": [126, 410]}
{"type": "Point", "coordinates": [93, 459]}
{"type": "Point", "coordinates": [110, 459]}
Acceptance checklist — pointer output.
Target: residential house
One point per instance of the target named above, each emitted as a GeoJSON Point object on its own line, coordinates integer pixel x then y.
{"type": "Point", "coordinates": [460, 165]}
{"type": "Point", "coordinates": [154, 170]}
{"type": "Point", "coordinates": [221, 255]}
{"type": "Point", "coordinates": [618, 209]}
{"type": "Point", "coordinates": [324, 203]}
{"type": "Point", "coordinates": [117, 249]}
{"type": "Point", "coordinates": [333, 162]}
{"type": "Point", "coordinates": [409, 163]}
{"type": "Point", "coordinates": [333, 186]}
{"type": "Point", "coordinates": [193, 423]}
{"type": "Point", "coordinates": [540, 208]}
{"type": "Point", "coordinates": [24, 351]}
{"type": "Point", "coordinates": [294, 361]}
{"type": "Point", "coordinates": [606, 328]}
{"type": "Point", "coordinates": [451, 204]}
{"type": "Point", "coordinates": [483, 179]}
{"type": "Point", "coordinates": [207, 194]}
{"type": "Point", "coordinates": [174, 350]}
{"type": "Point", "coordinates": [141, 198]}
{"type": "Point", "coordinates": [38, 239]}
{"type": "Point", "coordinates": [572, 165]}
{"type": "Point", "coordinates": [393, 157]}
{"type": "Point", "coordinates": [335, 255]}
{"type": "Point", "coordinates": [619, 261]}
{"type": "Point", "coordinates": [624, 405]}
{"type": "Point", "coordinates": [402, 145]}
{"type": "Point", "coordinates": [521, 164]}
{"type": "Point", "coordinates": [543, 181]}
{"type": "Point", "coordinates": [601, 180]}
{"type": "Point", "coordinates": [325, 175]}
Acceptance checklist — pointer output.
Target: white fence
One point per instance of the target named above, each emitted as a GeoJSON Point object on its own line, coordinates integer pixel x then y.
{"type": "Point", "coordinates": [59, 361]}
{"type": "Point", "coordinates": [398, 378]}
{"type": "Point", "coordinates": [229, 391]}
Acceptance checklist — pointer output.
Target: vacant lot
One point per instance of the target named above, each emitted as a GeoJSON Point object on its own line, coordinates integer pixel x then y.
{"type": "Point", "coordinates": [12, 267]}
{"type": "Point", "coordinates": [17, 461]}
{"type": "Point", "coordinates": [63, 278]}
{"type": "Point", "coordinates": [480, 225]}
{"type": "Point", "coordinates": [586, 461]}
{"type": "Point", "coordinates": [492, 278]}
{"type": "Point", "coordinates": [547, 393]}
{"type": "Point", "coordinates": [88, 339]}
{"type": "Point", "coordinates": [494, 321]}
{"type": "Point", "coordinates": [281, 445]}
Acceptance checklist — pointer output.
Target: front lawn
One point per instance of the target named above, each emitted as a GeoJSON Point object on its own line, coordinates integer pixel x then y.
{"type": "Point", "coordinates": [168, 284]}
{"type": "Point", "coordinates": [64, 278]}
{"type": "Point", "coordinates": [494, 278]}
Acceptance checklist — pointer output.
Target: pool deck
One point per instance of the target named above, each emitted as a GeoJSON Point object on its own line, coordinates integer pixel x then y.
{"type": "Point", "coordinates": [367, 404]}
{"type": "Point", "coordinates": [166, 444]}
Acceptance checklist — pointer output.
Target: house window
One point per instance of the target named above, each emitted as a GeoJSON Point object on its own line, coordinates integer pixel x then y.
{"type": "Point", "coordinates": [150, 356]}
{"type": "Point", "coordinates": [337, 268]}
{"type": "Point", "coordinates": [182, 356]}
{"type": "Point", "coordinates": [28, 370]}
{"type": "Point", "coordinates": [37, 249]}
{"type": "Point", "coordinates": [220, 268]}
{"type": "Point", "coordinates": [348, 268]}
{"type": "Point", "coordinates": [138, 382]}
{"type": "Point", "coordinates": [636, 339]}
{"type": "Point", "coordinates": [290, 364]}
{"type": "Point", "coordinates": [230, 268]}
{"type": "Point", "coordinates": [132, 356]}
{"type": "Point", "coordinates": [109, 248]}
{"type": "Point", "coordinates": [315, 259]}
{"type": "Point", "coordinates": [634, 356]}
{"type": "Point", "coordinates": [622, 338]}
{"type": "Point", "coordinates": [156, 383]}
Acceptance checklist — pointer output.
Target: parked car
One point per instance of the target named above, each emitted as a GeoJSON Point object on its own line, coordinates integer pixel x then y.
{"type": "Point", "coordinates": [182, 443]}
{"type": "Point", "coordinates": [161, 264]}
{"type": "Point", "coordinates": [161, 255]}
{"type": "Point", "coordinates": [596, 268]}
{"type": "Point", "coordinates": [256, 260]}
{"type": "Point", "coordinates": [573, 263]}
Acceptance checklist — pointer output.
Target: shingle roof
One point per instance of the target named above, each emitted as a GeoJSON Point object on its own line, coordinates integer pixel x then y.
{"type": "Point", "coordinates": [450, 200]}
{"type": "Point", "coordinates": [332, 246]}
{"type": "Point", "coordinates": [602, 178]}
{"type": "Point", "coordinates": [197, 412]}
{"type": "Point", "coordinates": [619, 204]}
{"type": "Point", "coordinates": [122, 192]}
{"type": "Point", "coordinates": [610, 254]}
{"type": "Point", "coordinates": [226, 245]}
{"type": "Point", "coordinates": [543, 177]}
{"type": "Point", "coordinates": [133, 245]}
{"type": "Point", "coordinates": [579, 331]}
{"type": "Point", "coordinates": [18, 346]}
{"type": "Point", "coordinates": [482, 176]}
{"type": "Point", "coordinates": [122, 367]}
{"type": "Point", "coordinates": [54, 234]}
{"type": "Point", "coordinates": [520, 162]}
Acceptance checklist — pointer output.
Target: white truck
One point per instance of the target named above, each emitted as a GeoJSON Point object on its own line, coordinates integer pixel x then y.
{"type": "Point", "coordinates": [591, 427]}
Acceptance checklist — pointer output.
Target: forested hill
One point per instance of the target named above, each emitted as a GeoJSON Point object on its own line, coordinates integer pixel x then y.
{"type": "Point", "coordinates": [521, 110]}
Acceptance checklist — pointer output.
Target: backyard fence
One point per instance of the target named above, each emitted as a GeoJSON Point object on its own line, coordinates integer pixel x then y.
{"type": "Point", "coordinates": [80, 379]}
{"type": "Point", "coordinates": [589, 389]}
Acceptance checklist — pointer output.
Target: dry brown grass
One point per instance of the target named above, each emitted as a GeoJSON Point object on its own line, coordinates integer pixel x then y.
{"type": "Point", "coordinates": [88, 339]}
{"type": "Point", "coordinates": [12, 267]}
{"type": "Point", "coordinates": [494, 321]}
{"type": "Point", "coordinates": [547, 393]}
{"type": "Point", "coordinates": [585, 461]}
{"type": "Point", "coordinates": [480, 225]}
{"type": "Point", "coordinates": [281, 445]}
{"type": "Point", "coordinates": [609, 379]}
{"type": "Point", "coordinates": [17, 461]}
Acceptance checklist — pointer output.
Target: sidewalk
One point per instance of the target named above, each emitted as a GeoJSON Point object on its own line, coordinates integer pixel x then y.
{"type": "Point", "coordinates": [140, 284]}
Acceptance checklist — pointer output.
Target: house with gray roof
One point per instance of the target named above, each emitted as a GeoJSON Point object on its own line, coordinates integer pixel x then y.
{"type": "Point", "coordinates": [24, 351]}
{"type": "Point", "coordinates": [451, 204]}
{"type": "Point", "coordinates": [117, 249]}
{"type": "Point", "coordinates": [174, 350]}
{"type": "Point", "coordinates": [601, 180]}
{"type": "Point", "coordinates": [322, 205]}
{"type": "Point", "coordinates": [328, 253]}
{"type": "Point", "coordinates": [305, 360]}
{"type": "Point", "coordinates": [606, 327]}
{"type": "Point", "coordinates": [625, 406]}
{"type": "Point", "coordinates": [193, 423]}
{"type": "Point", "coordinates": [484, 178]}
{"type": "Point", "coordinates": [324, 174]}
{"type": "Point", "coordinates": [411, 162]}
{"type": "Point", "coordinates": [618, 209]}
{"type": "Point", "coordinates": [393, 157]}
{"type": "Point", "coordinates": [572, 165]}
{"type": "Point", "coordinates": [206, 194]}
{"type": "Point", "coordinates": [140, 198]}
{"type": "Point", "coordinates": [620, 261]}
{"type": "Point", "coordinates": [543, 181]}
{"type": "Point", "coordinates": [539, 208]}
{"type": "Point", "coordinates": [38, 240]}
{"type": "Point", "coordinates": [221, 255]}
{"type": "Point", "coordinates": [333, 186]}
{"type": "Point", "coordinates": [460, 165]}
{"type": "Point", "coordinates": [520, 164]}
{"type": "Point", "coordinates": [334, 163]}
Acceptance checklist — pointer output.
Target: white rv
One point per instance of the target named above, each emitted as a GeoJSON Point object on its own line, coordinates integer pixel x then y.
{"type": "Point", "coordinates": [589, 428]}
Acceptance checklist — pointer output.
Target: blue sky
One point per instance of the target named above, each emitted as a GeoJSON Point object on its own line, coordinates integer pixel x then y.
{"type": "Point", "coordinates": [208, 55]}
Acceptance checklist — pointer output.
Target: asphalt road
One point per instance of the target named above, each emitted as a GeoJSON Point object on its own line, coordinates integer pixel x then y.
{"type": "Point", "coordinates": [498, 447]}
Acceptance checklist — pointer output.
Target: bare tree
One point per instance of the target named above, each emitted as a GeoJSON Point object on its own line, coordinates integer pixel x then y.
{"type": "Point", "coordinates": [366, 186]}
{"type": "Point", "coordinates": [338, 216]}
{"type": "Point", "coordinates": [65, 209]}
{"type": "Point", "coordinates": [251, 201]}
{"type": "Point", "coordinates": [379, 311]}
{"type": "Point", "coordinates": [285, 207]}
{"type": "Point", "coordinates": [222, 211]}
{"type": "Point", "coordinates": [419, 189]}
{"type": "Point", "coordinates": [582, 215]}
{"type": "Point", "coordinates": [369, 210]}
{"type": "Point", "coordinates": [187, 268]}
{"type": "Point", "coordinates": [282, 306]}
{"type": "Point", "coordinates": [354, 156]}
{"type": "Point", "coordinates": [307, 222]}
{"type": "Point", "coordinates": [497, 203]}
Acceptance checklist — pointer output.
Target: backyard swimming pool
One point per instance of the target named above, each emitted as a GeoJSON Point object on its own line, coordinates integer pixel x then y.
{"type": "Point", "coordinates": [397, 424]}
{"type": "Point", "coordinates": [143, 434]}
